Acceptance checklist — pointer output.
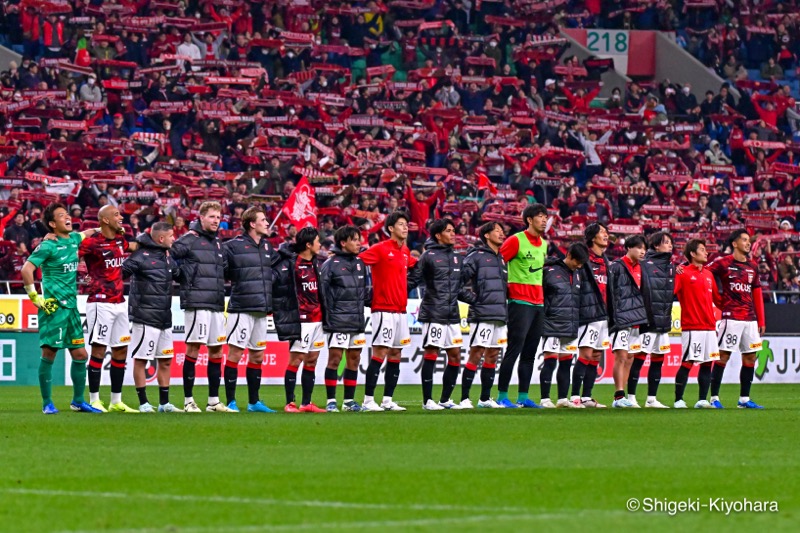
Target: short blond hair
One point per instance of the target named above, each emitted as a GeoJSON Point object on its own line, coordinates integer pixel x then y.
{"type": "Point", "coordinates": [205, 207]}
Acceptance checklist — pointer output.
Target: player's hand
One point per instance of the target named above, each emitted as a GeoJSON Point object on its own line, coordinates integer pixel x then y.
{"type": "Point", "coordinates": [762, 330]}
{"type": "Point", "coordinates": [49, 305]}
{"type": "Point", "coordinates": [50, 237]}
{"type": "Point", "coordinates": [679, 269]}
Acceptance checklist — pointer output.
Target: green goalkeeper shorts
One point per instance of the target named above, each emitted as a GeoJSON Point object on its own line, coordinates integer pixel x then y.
{"type": "Point", "coordinates": [62, 329]}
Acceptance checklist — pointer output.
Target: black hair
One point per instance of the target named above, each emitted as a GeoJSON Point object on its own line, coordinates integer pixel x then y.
{"type": "Point", "coordinates": [635, 241]}
{"type": "Point", "coordinates": [591, 232]}
{"type": "Point", "coordinates": [392, 219]}
{"type": "Point", "coordinates": [532, 211]}
{"type": "Point", "coordinates": [439, 225]}
{"type": "Point", "coordinates": [692, 246]}
{"type": "Point", "coordinates": [305, 236]}
{"type": "Point", "coordinates": [657, 239]}
{"type": "Point", "coordinates": [735, 236]}
{"type": "Point", "coordinates": [487, 228]}
{"type": "Point", "coordinates": [579, 252]}
{"type": "Point", "coordinates": [48, 215]}
{"type": "Point", "coordinates": [344, 234]}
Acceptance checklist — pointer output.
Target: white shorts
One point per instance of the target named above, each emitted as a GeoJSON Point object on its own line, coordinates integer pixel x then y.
{"type": "Point", "coordinates": [594, 335]}
{"type": "Point", "coordinates": [108, 324]}
{"type": "Point", "coordinates": [151, 343]}
{"type": "Point", "coordinates": [390, 330]}
{"type": "Point", "coordinates": [627, 339]}
{"type": "Point", "coordinates": [557, 345]}
{"type": "Point", "coordinates": [347, 340]}
{"type": "Point", "coordinates": [699, 346]}
{"type": "Point", "coordinates": [205, 327]}
{"type": "Point", "coordinates": [738, 336]}
{"type": "Point", "coordinates": [656, 343]}
{"type": "Point", "coordinates": [488, 334]}
{"type": "Point", "coordinates": [247, 330]}
{"type": "Point", "coordinates": [441, 335]}
{"type": "Point", "coordinates": [312, 338]}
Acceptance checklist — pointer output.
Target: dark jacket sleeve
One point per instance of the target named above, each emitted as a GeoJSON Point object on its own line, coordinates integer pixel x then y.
{"type": "Point", "coordinates": [613, 274]}
{"type": "Point", "coordinates": [130, 265]}
{"type": "Point", "coordinates": [325, 283]}
{"type": "Point", "coordinates": [467, 294]}
{"type": "Point", "coordinates": [415, 277]}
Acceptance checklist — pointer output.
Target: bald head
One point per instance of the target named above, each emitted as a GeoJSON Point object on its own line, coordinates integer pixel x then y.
{"type": "Point", "coordinates": [110, 219]}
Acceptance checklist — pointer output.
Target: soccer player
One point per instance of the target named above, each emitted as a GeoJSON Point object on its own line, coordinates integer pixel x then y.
{"type": "Point", "coordinates": [593, 334]}
{"type": "Point", "coordinates": [248, 266]}
{"type": "Point", "coordinates": [106, 311]}
{"type": "Point", "coordinates": [439, 269]}
{"type": "Point", "coordinates": [658, 281]}
{"type": "Point", "coordinates": [59, 320]}
{"type": "Point", "coordinates": [484, 286]}
{"type": "Point", "coordinates": [152, 271]}
{"type": "Point", "coordinates": [199, 254]}
{"type": "Point", "coordinates": [559, 344]}
{"type": "Point", "coordinates": [298, 314]}
{"type": "Point", "coordinates": [525, 253]}
{"type": "Point", "coordinates": [742, 321]}
{"type": "Point", "coordinates": [626, 313]}
{"type": "Point", "coordinates": [390, 262]}
{"type": "Point", "coordinates": [344, 293]}
{"type": "Point", "coordinates": [697, 294]}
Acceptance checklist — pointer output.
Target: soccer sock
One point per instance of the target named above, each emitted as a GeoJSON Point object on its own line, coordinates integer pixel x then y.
{"type": "Point", "coordinates": [188, 377]}
{"type": "Point", "coordinates": [95, 371]}
{"type": "Point", "coordinates": [562, 377]}
{"type": "Point", "coordinates": [163, 395]}
{"type": "Point", "coordinates": [746, 380]}
{"type": "Point", "coordinates": [331, 379]}
{"type": "Point", "coordinates": [466, 380]}
{"type": "Point", "coordinates": [350, 380]}
{"type": "Point", "coordinates": [141, 392]}
{"type": "Point", "coordinates": [214, 375]}
{"type": "Point", "coordinates": [654, 377]}
{"type": "Point", "coordinates": [487, 381]}
{"type": "Point", "coordinates": [704, 379]}
{"type": "Point", "coordinates": [289, 382]}
{"type": "Point", "coordinates": [77, 372]}
{"type": "Point", "coordinates": [307, 379]}
{"type": "Point", "coordinates": [579, 375]}
{"type": "Point", "coordinates": [525, 373]}
{"type": "Point", "coordinates": [590, 378]}
{"type": "Point", "coordinates": [231, 375]}
{"type": "Point", "coordinates": [681, 379]}
{"type": "Point", "coordinates": [716, 377]}
{"type": "Point", "coordinates": [391, 378]}
{"type": "Point", "coordinates": [117, 374]}
{"type": "Point", "coordinates": [546, 376]}
{"type": "Point", "coordinates": [633, 377]}
{"type": "Point", "coordinates": [253, 375]}
{"type": "Point", "coordinates": [46, 381]}
{"type": "Point", "coordinates": [449, 380]}
{"type": "Point", "coordinates": [373, 371]}
{"type": "Point", "coordinates": [428, 366]}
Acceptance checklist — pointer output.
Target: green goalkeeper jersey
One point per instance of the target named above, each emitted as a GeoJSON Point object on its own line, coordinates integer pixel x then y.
{"type": "Point", "coordinates": [58, 260]}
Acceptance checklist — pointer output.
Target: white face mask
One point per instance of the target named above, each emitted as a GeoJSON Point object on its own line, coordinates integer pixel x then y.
{"type": "Point", "coordinates": [323, 83]}
{"type": "Point", "coordinates": [90, 81]}
{"type": "Point", "coordinates": [290, 55]}
{"type": "Point", "coordinates": [615, 97]}
{"type": "Point", "coordinates": [631, 202]}
{"type": "Point", "coordinates": [493, 43]}
{"type": "Point", "coordinates": [686, 90]}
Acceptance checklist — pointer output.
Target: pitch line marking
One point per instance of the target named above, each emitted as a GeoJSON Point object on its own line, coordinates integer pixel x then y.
{"type": "Point", "coordinates": [261, 501]}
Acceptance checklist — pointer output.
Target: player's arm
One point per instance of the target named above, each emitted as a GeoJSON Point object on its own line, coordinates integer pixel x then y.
{"type": "Point", "coordinates": [715, 295]}
{"type": "Point", "coordinates": [510, 248]}
{"type": "Point", "coordinates": [88, 233]}
{"type": "Point", "coordinates": [415, 274]}
{"type": "Point", "coordinates": [370, 256]}
{"type": "Point", "coordinates": [130, 266]}
{"type": "Point", "coordinates": [758, 302]}
{"type": "Point", "coordinates": [466, 293]}
{"type": "Point", "coordinates": [49, 305]}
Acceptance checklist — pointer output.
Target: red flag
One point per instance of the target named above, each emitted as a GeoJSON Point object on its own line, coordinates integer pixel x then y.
{"type": "Point", "coordinates": [301, 207]}
{"type": "Point", "coordinates": [485, 183]}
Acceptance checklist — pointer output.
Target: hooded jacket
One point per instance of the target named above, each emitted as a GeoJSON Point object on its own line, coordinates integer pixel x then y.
{"type": "Point", "coordinates": [593, 306]}
{"type": "Point", "coordinates": [344, 292]}
{"type": "Point", "coordinates": [248, 266]}
{"type": "Point", "coordinates": [152, 271]}
{"type": "Point", "coordinates": [439, 267]}
{"type": "Point", "coordinates": [199, 253]}
{"type": "Point", "coordinates": [625, 300]}
{"type": "Point", "coordinates": [658, 282]}
{"type": "Point", "coordinates": [484, 285]}
{"type": "Point", "coordinates": [286, 310]}
{"type": "Point", "coordinates": [562, 300]}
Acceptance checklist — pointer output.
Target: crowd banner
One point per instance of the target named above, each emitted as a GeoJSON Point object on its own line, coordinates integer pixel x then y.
{"type": "Point", "coordinates": [778, 360]}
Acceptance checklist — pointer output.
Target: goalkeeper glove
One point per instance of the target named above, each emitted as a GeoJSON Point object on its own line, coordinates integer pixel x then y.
{"type": "Point", "coordinates": [48, 305]}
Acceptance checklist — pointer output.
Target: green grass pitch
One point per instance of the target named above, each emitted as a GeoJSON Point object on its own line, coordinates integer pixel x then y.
{"type": "Point", "coordinates": [555, 470]}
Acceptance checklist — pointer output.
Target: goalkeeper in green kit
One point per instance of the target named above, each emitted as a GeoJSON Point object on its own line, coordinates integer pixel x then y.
{"type": "Point", "coordinates": [59, 320]}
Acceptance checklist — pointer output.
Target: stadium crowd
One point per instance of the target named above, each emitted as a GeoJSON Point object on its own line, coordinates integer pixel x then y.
{"type": "Point", "coordinates": [469, 109]}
